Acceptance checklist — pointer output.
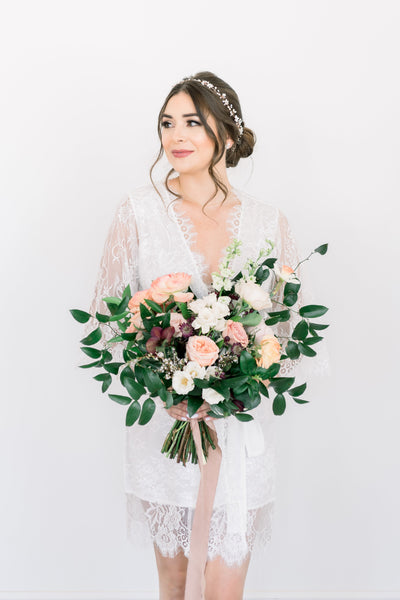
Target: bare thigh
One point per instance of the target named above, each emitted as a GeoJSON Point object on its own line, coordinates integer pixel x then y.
{"type": "Point", "coordinates": [171, 575]}
{"type": "Point", "coordinates": [223, 582]}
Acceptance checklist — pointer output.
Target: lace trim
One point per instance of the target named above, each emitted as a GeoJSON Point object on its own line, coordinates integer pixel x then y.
{"type": "Point", "coordinates": [190, 235]}
{"type": "Point", "coordinates": [169, 527]}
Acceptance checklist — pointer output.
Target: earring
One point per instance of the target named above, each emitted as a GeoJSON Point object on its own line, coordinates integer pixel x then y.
{"type": "Point", "coordinates": [227, 146]}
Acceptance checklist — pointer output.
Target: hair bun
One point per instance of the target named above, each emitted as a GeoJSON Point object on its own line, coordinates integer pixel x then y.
{"type": "Point", "coordinates": [242, 148]}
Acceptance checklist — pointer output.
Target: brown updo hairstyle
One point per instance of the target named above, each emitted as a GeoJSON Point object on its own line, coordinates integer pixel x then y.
{"type": "Point", "coordinates": [208, 103]}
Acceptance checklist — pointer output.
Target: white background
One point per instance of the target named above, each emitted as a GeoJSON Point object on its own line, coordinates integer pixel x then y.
{"type": "Point", "coordinates": [81, 86]}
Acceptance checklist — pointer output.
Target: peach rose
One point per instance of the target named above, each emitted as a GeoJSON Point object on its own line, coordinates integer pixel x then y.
{"type": "Point", "coordinates": [202, 349]}
{"type": "Point", "coordinates": [176, 319]}
{"type": "Point", "coordinates": [139, 298]}
{"type": "Point", "coordinates": [270, 351]}
{"type": "Point", "coordinates": [167, 285]}
{"type": "Point", "coordinates": [183, 296]}
{"type": "Point", "coordinates": [136, 323]}
{"type": "Point", "coordinates": [236, 333]}
{"type": "Point", "coordinates": [286, 273]}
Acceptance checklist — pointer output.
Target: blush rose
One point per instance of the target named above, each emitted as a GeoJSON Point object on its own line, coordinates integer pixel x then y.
{"type": "Point", "coordinates": [202, 349]}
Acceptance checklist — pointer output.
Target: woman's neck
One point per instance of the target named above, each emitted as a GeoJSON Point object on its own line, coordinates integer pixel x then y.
{"type": "Point", "coordinates": [197, 189]}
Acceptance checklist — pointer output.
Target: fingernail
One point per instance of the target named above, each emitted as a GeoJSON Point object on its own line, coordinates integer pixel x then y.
{"type": "Point", "coordinates": [183, 418]}
{"type": "Point", "coordinates": [208, 419]}
{"type": "Point", "coordinates": [194, 416]}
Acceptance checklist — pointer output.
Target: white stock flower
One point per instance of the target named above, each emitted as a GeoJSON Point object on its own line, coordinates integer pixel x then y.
{"type": "Point", "coordinates": [195, 370]}
{"type": "Point", "coordinates": [182, 382]}
{"type": "Point", "coordinates": [253, 294]}
{"type": "Point", "coordinates": [217, 281]}
{"type": "Point", "coordinates": [205, 320]}
{"type": "Point", "coordinates": [211, 396]}
{"type": "Point", "coordinates": [220, 309]}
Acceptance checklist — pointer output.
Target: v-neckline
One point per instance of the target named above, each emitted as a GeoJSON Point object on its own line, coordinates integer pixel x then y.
{"type": "Point", "coordinates": [187, 232]}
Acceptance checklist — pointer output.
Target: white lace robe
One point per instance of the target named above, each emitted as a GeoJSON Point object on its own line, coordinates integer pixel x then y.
{"type": "Point", "coordinates": [146, 241]}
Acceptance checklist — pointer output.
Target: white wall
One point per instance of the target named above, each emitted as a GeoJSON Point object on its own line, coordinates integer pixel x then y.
{"type": "Point", "coordinates": [82, 83]}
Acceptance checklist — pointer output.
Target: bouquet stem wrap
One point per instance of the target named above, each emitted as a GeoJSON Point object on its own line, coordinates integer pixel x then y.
{"type": "Point", "coordinates": [195, 578]}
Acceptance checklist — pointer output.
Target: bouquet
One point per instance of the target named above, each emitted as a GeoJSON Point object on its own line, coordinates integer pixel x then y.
{"type": "Point", "coordinates": [221, 348]}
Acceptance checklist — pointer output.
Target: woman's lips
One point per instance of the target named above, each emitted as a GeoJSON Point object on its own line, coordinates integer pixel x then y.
{"type": "Point", "coordinates": [181, 153]}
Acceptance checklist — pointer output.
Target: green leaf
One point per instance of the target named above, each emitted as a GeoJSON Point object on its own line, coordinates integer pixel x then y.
{"type": "Point", "coordinates": [152, 380]}
{"type": "Point", "coordinates": [263, 389]}
{"type": "Point", "coordinates": [272, 321]}
{"type": "Point", "coordinates": [298, 391]}
{"type": "Point", "coordinates": [106, 383]}
{"type": "Point", "coordinates": [272, 370]}
{"type": "Point", "coordinates": [247, 363]}
{"type": "Point", "coordinates": [127, 292]}
{"type": "Point", "coordinates": [102, 376]}
{"type": "Point", "coordinates": [107, 356]}
{"type": "Point", "coordinates": [318, 326]}
{"type": "Point", "coordinates": [126, 373]}
{"type": "Point", "coordinates": [148, 409]}
{"type": "Point", "coordinates": [113, 367]}
{"type": "Point", "coordinates": [112, 301]}
{"type": "Point", "coordinates": [292, 350]}
{"type": "Point", "coordinates": [92, 352]}
{"type": "Point", "coordinates": [290, 299]}
{"type": "Point", "coordinates": [156, 307]}
{"type": "Point", "coordinates": [269, 262]}
{"type": "Point", "coordinates": [166, 396]}
{"type": "Point", "coordinates": [241, 416]}
{"type": "Point", "coordinates": [135, 389]}
{"type": "Point", "coordinates": [132, 414]}
{"type": "Point", "coordinates": [120, 399]}
{"type": "Point", "coordinates": [279, 404]}
{"type": "Point", "coordinates": [312, 310]}
{"type": "Point", "coordinates": [93, 337]}
{"type": "Point", "coordinates": [119, 316]}
{"type": "Point", "coordinates": [284, 315]}
{"type": "Point", "coordinates": [301, 330]}
{"type": "Point", "coordinates": [115, 339]}
{"type": "Point", "coordinates": [88, 365]}
{"type": "Point", "coordinates": [312, 340]}
{"type": "Point", "coordinates": [300, 401]}
{"type": "Point", "coordinates": [128, 336]}
{"type": "Point", "coordinates": [80, 315]}
{"type": "Point", "coordinates": [281, 384]}
{"type": "Point", "coordinates": [193, 405]}
{"type": "Point", "coordinates": [102, 318]}
{"type": "Point", "coordinates": [201, 383]}
{"type": "Point", "coordinates": [291, 288]}
{"type": "Point", "coordinates": [306, 350]}
{"type": "Point", "coordinates": [144, 311]}
{"type": "Point", "coordinates": [249, 320]}
{"type": "Point", "coordinates": [322, 249]}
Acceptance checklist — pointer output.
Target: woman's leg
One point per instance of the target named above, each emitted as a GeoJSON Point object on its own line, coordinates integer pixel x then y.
{"type": "Point", "coordinates": [223, 582]}
{"type": "Point", "coordinates": [171, 575]}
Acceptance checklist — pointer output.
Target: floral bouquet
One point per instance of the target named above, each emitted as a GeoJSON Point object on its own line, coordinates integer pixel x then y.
{"type": "Point", "coordinates": [220, 348]}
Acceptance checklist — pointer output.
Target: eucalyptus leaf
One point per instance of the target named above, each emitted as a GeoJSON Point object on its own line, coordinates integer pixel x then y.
{"type": "Point", "coordinates": [97, 363]}
{"type": "Point", "coordinates": [312, 340]}
{"type": "Point", "coordinates": [290, 299]}
{"type": "Point", "coordinates": [113, 367]}
{"type": "Point", "coordinates": [263, 389]}
{"type": "Point", "coordinates": [301, 401]}
{"type": "Point", "coordinates": [318, 326]}
{"type": "Point", "coordinates": [106, 383]}
{"type": "Point", "coordinates": [119, 316]}
{"type": "Point", "coordinates": [284, 315]}
{"type": "Point", "coordinates": [135, 389]}
{"type": "Point", "coordinates": [272, 370]}
{"type": "Point", "coordinates": [281, 384]}
{"type": "Point", "coordinates": [107, 356]}
{"type": "Point", "coordinates": [152, 380]}
{"type": "Point", "coordinates": [292, 350]}
{"type": "Point", "coordinates": [102, 318]}
{"type": "Point", "coordinates": [80, 315]}
{"type": "Point", "coordinates": [102, 376]}
{"type": "Point", "coordinates": [301, 330]}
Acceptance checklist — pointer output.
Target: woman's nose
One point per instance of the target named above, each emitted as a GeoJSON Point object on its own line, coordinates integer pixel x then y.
{"type": "Point", "coordinates": [179, 133]}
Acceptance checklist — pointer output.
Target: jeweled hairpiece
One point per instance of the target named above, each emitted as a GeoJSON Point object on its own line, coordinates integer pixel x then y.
{"type": "Point", "coordinates": [238, 121]}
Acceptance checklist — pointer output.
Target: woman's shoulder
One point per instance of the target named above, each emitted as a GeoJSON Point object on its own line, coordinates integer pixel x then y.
{"type": "Point", "coordinates": [259, 204]}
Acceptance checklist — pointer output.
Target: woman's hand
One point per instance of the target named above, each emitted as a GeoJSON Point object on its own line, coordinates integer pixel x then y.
{"type": "Point", "coordinates": [180, 413]}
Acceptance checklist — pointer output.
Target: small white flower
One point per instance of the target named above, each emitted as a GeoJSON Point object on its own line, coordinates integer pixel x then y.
{"type": "Point", "coordinates": [226, 273]}
{"type": "Point", "coordinates": [224, 300]}
{"type": "Point", "coordinates": [220, 309]}
{"type": "Point", "coordinates": [195, 370]}
{"type": "Point", "coordinates": [182, 382]}
{"type": "Point", "coordinates": [210, 372]}
{"type": "Point", "coordinates": [211, 396]}
{"type": "Point", "coordinates": [218, 282]}
{"type": "Point", "coordinates": [205, 320]}
{"type": "Point", "coordinates": [253, 294]}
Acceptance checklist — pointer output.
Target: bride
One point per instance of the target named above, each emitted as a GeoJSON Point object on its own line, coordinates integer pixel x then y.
{"type": "Point", "coordinates": [185, 223]}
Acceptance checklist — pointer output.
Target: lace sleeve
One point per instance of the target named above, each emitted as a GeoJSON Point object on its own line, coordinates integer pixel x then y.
{"type": "Point", "coordinates": [118, 268]}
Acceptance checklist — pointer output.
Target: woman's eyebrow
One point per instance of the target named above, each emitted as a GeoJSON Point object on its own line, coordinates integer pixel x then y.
{"type": "Point", "coordinates": [187, 115]}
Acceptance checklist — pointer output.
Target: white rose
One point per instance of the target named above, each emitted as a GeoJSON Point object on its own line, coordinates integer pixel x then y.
{"type": "Point", "coordinates": [182, 382]}
{"type": "Point", "coordinates": [205, 319]}
{"type": "Point", "coordinates": [195, 370]}
{"type": "Point", "coordinates": [260, 331]}
{"type": "Point", "coordinates": [211, 396]}
{"type": "Point", "coordinates": [254, 295]}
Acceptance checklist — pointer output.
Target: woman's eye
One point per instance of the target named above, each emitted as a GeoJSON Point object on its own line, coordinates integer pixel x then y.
{"type": "Point", "coordinates": [193, 121]}
{"type": "Point", "coordinates": [165, 124]}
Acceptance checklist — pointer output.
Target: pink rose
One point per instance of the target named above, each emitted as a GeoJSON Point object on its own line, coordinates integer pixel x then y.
{"type": "Point", "coordinates": [236, 333]}
{"type": "Point", "coordinates": [138, 298]}
{"type": "Point", "coordinates": [176, 320]}
{"type": "Point", "coordinates": [286, 274]}
{"type": "Point", "coordinates": [202, 349]}
{"type": "Point", "coordinates": [183, 296]}
{"type": "Point", "coordinates": [270, 352]}
{"type": "Point", "coordinates": [167, 285]}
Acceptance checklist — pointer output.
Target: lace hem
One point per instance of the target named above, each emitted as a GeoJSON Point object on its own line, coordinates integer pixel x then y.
{"type": "Point", "coordinates": [169, 527]}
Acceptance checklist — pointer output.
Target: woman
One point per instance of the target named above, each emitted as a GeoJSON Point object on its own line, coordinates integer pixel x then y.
{"type": "Point", "coordinates": [184, 224]}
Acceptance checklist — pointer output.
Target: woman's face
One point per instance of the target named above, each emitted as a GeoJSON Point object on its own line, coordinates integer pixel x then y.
{"type": "Point", "coordinates": [185, 141]}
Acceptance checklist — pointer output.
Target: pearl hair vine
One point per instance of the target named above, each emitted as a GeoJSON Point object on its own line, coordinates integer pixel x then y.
{"type": "Point", "coordinates": [238, 121]}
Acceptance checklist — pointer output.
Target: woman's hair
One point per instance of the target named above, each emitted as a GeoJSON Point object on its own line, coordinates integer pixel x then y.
{"type": "Point", "coordinates": [208, 102]}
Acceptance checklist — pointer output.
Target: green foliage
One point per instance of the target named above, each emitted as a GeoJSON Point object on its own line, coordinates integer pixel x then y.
{"type": "Point", "coordinates": [301, 330]}
{"type": "Point", "coordinates": [306, 350]}
{"type": "Point", "coordinates": [279, 405]}
{"type": "Point", "coordinates": [93, 337]}
{"type": "Point", "coordinates": [322, 249]}
{"type": "Point", "coordinates": [80, 315]}
{"type": "Point", "coordinates": [281, 384]}
{"type": "Point", "coordinates": [132, 414]}
{"type": "Point", "coordinates": [292, 350]}
{"type": "Point", "coordinates": [241, 416]}
{"type": "Point", "coordinates": [91, 352]}
{"type": "Point", "coordinates": [298, 391]}
{"type": "Point", "coordinates": [120, 399]}
{"type": "Point", "coordinates": [148, 409]}
{"type": "Point", "coordinates": [247, 363]}
{"type": "Point", "coordinates": [312, 310]}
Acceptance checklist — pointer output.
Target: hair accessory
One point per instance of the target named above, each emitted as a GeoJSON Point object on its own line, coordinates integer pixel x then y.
{"type": "Point", "coordinates": [238, 121]}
